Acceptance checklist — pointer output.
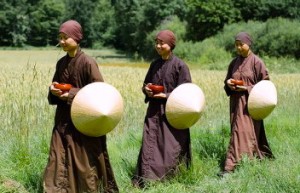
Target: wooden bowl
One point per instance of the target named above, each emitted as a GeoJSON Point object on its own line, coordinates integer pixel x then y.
{"type": "Point", "coordinates": [156, 88]}
{"type": "Point", "coordinates": [237, 82]}
{"type": "Point", "coordinates": [63, 87]}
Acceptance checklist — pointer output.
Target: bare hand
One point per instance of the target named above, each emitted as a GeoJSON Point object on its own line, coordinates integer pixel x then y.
{"type": "Point", "coordinates": [55, 91]}
{"type": "Point", "coordinates": [148, 91]}
{"type": "Point", "coordinates": [160, 96]}
{"type": "Point", "coordinates": [230, 84]}
{"type": "Point", "coordinates": [64, 96]}
{"type": "Point", "coordinates": [234, 87]}
{"type": "Point", "coordinates": [240, 88]}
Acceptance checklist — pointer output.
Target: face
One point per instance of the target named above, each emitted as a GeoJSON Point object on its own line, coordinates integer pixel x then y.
{"type": "Point", "coordinates": [68, 44]}
{"type": "Point", "coordinates": [241, 48]}
{"type": "Point", "coordinates": [162, 48]}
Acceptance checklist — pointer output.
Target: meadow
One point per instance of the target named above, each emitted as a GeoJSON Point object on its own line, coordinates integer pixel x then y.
{"type": "Point", "coordinates": [27, 121]}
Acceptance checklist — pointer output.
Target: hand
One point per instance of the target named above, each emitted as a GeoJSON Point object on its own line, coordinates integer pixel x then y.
{"type": "Point", "coordinates": [64, 96]}
{"type": "Point", "coordinates": [160, 96]}
{"type": "Point", "coordinates": [148, 91]}
{"type": "Point", "coordinates": [240, 88]}
{"type": "Point", "coordinates": [55, 91]}
{"type": "Point", "coordinates": [230, 84]}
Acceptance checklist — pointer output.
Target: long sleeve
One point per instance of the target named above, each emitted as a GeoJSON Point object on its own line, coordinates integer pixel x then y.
{"type": "Point", "coordinates": [90, 73]}
{"type": "Point", "coordinates": [228, 76]}
{"type": "Point", "coordinates": [54, 100]}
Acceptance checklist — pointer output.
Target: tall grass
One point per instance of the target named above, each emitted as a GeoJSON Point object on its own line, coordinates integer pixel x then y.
{"type": "Point", "coordinates": [27, 122]}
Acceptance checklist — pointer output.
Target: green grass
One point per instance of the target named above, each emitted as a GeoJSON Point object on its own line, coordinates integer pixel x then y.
{"type": "Point", "coordinates": [27, 122]}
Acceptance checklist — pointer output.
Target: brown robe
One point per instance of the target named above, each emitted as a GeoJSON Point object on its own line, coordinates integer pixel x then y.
{"type": "Point", "coordinates": [247, 135]}
{"type": "Point", "coordinates": [163, 147]}
{"type": "Point", "coordinates": [76, 163]}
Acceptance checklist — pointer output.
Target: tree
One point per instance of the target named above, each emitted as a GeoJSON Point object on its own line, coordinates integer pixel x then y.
{"type": "Point", "coordinates": [82, 11]}
{"type": "Point", "coordinates": [139, 18]}
{"type": "Point", "coordinates": [45, 18]}
{"type": "Point", "coordinates": [13, 22]}
{"type": "Point", "coordinates": [103, 25]}
{"type": "Point", "coordinates": [207, 18]}
{"type": "Point", "coordinates": [263, 10]}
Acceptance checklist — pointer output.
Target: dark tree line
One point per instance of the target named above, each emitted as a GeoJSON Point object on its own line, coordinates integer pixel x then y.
{"type": "Point", "coordinates": [125, 24]}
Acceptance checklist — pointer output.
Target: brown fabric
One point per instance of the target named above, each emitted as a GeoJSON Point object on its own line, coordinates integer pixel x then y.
{"type": "Point", "coordinates": [167, 37]}
{"type": "Point", "coordinates": [247, 135]}
{"type": "Point", "coordinates": [72, 29]}
{"type": "Point", "coordinates": [244, 37]}
{"type": "Point", "coordinates": [164, 148]}
{"type": "Point", "coordinates": [76, 163]}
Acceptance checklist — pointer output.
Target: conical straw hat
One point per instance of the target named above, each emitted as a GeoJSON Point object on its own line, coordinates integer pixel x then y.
{"type": "Point", "coordinates": [184, 106]}
{"type": "Point", "coordinates": [262, 100]}
{"type": "Point", "coordinates": [97, 109]}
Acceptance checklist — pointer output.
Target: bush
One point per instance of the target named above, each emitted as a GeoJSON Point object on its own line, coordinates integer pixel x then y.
{"type": "Point", "coordinates": [207, 54]}
{"type": "Point", "coordinates": [274, 38]}
{"type": "Point", "coordinates": [277, 41]}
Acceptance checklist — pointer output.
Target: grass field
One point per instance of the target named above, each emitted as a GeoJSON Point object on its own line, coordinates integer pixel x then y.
{"type": "Point", "coordinates": [27, 121]}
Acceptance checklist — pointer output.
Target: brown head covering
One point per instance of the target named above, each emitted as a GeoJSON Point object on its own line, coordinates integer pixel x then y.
{"type": "Point", "coordinates": [244, 37]}
{"type": "Point", "coordinates": [72, 29]}
{"type": "Point", "coordinates": [168, 37]}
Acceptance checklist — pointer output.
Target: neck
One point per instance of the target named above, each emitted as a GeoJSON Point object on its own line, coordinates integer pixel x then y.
{"type": "Point", "coordinates": [72, 53]}
{"type": "Point", "coordinates": [166, 56]}
{"type": "Point", "coordinates": [247, 54]}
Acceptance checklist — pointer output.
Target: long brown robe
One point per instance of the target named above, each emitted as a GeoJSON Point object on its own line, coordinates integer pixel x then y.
{"type": "Point", "coordinates": [163, 147]}
{"type": "Point", "coordinates": [247, 135]}
{"type": "Point", "coordinates": [76, 163]}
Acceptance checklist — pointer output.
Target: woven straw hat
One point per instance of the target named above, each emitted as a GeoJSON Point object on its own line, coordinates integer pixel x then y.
{"type": "Point", "coordinates": [184, 106]}
{"type": "Point", "coordinates": [262, 100]}
{"type": "Point", "coordinates": [97, 109]}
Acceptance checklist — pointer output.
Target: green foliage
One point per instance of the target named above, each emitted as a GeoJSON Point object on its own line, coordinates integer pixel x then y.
{"type": "Point", "coordinates": [46, 16]}
{"type": "Point", "coordinates": [83, 15]}
{"type": "Point", "coordinates": [274, 38]}
{"type": "Point", "coordinates": [265, 9]}
{"type": "Point", "coordinates": [13, 23]}
{"type": "Point", "coordinates": [206, 18]}
{"type": "Point", "coordinates": [130, 25]}
{"type": "Point", "coordinates": [208, 54]}
{"type": "Point", "coordinates": [103, 25]}
{"type": "Point", "coordinates": [280, 38]}
{"type": "Point", "coordinates": [139, 18]}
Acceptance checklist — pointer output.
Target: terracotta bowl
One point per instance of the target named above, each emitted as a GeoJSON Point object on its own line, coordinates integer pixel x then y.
{"type": "Point", "coordinates": [63, 87]}
{"type": "Point", "coordinates": [156, 88]}
{"type": "Point", "coordinates": [237, 82]}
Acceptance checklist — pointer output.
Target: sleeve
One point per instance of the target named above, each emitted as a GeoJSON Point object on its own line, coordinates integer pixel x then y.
{"type": "Point", "coordinates": [183, 75]}
{"type": "Point", "coordinates": [228, 76]}
{"type": "Point", "coordinates": [54, 100]}
{"type": "Point", "coordinates": [260, 72]}
{"type": "Point", "coordinates": [91, 74]}
{"type": "Point", "coordinates": [146, 81]}
{"type": "Point", "coordinates": [94, 73]}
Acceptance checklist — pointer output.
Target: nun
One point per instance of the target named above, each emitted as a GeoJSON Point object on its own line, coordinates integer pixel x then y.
{"type": "Point", "coordinates": [77, 163]}
{"type": "Point", "coordinates": [164, 148]}
{"type": "Point", "coordinates": [248, 137]}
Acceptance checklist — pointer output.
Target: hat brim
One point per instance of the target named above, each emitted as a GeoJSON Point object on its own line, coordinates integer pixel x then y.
{"type": "Point", "coordinates": [97, 109]}
{"type": "Point", "coordinates": [262, 100]}
{"type": "Point", "coordinates": [185, 105]}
